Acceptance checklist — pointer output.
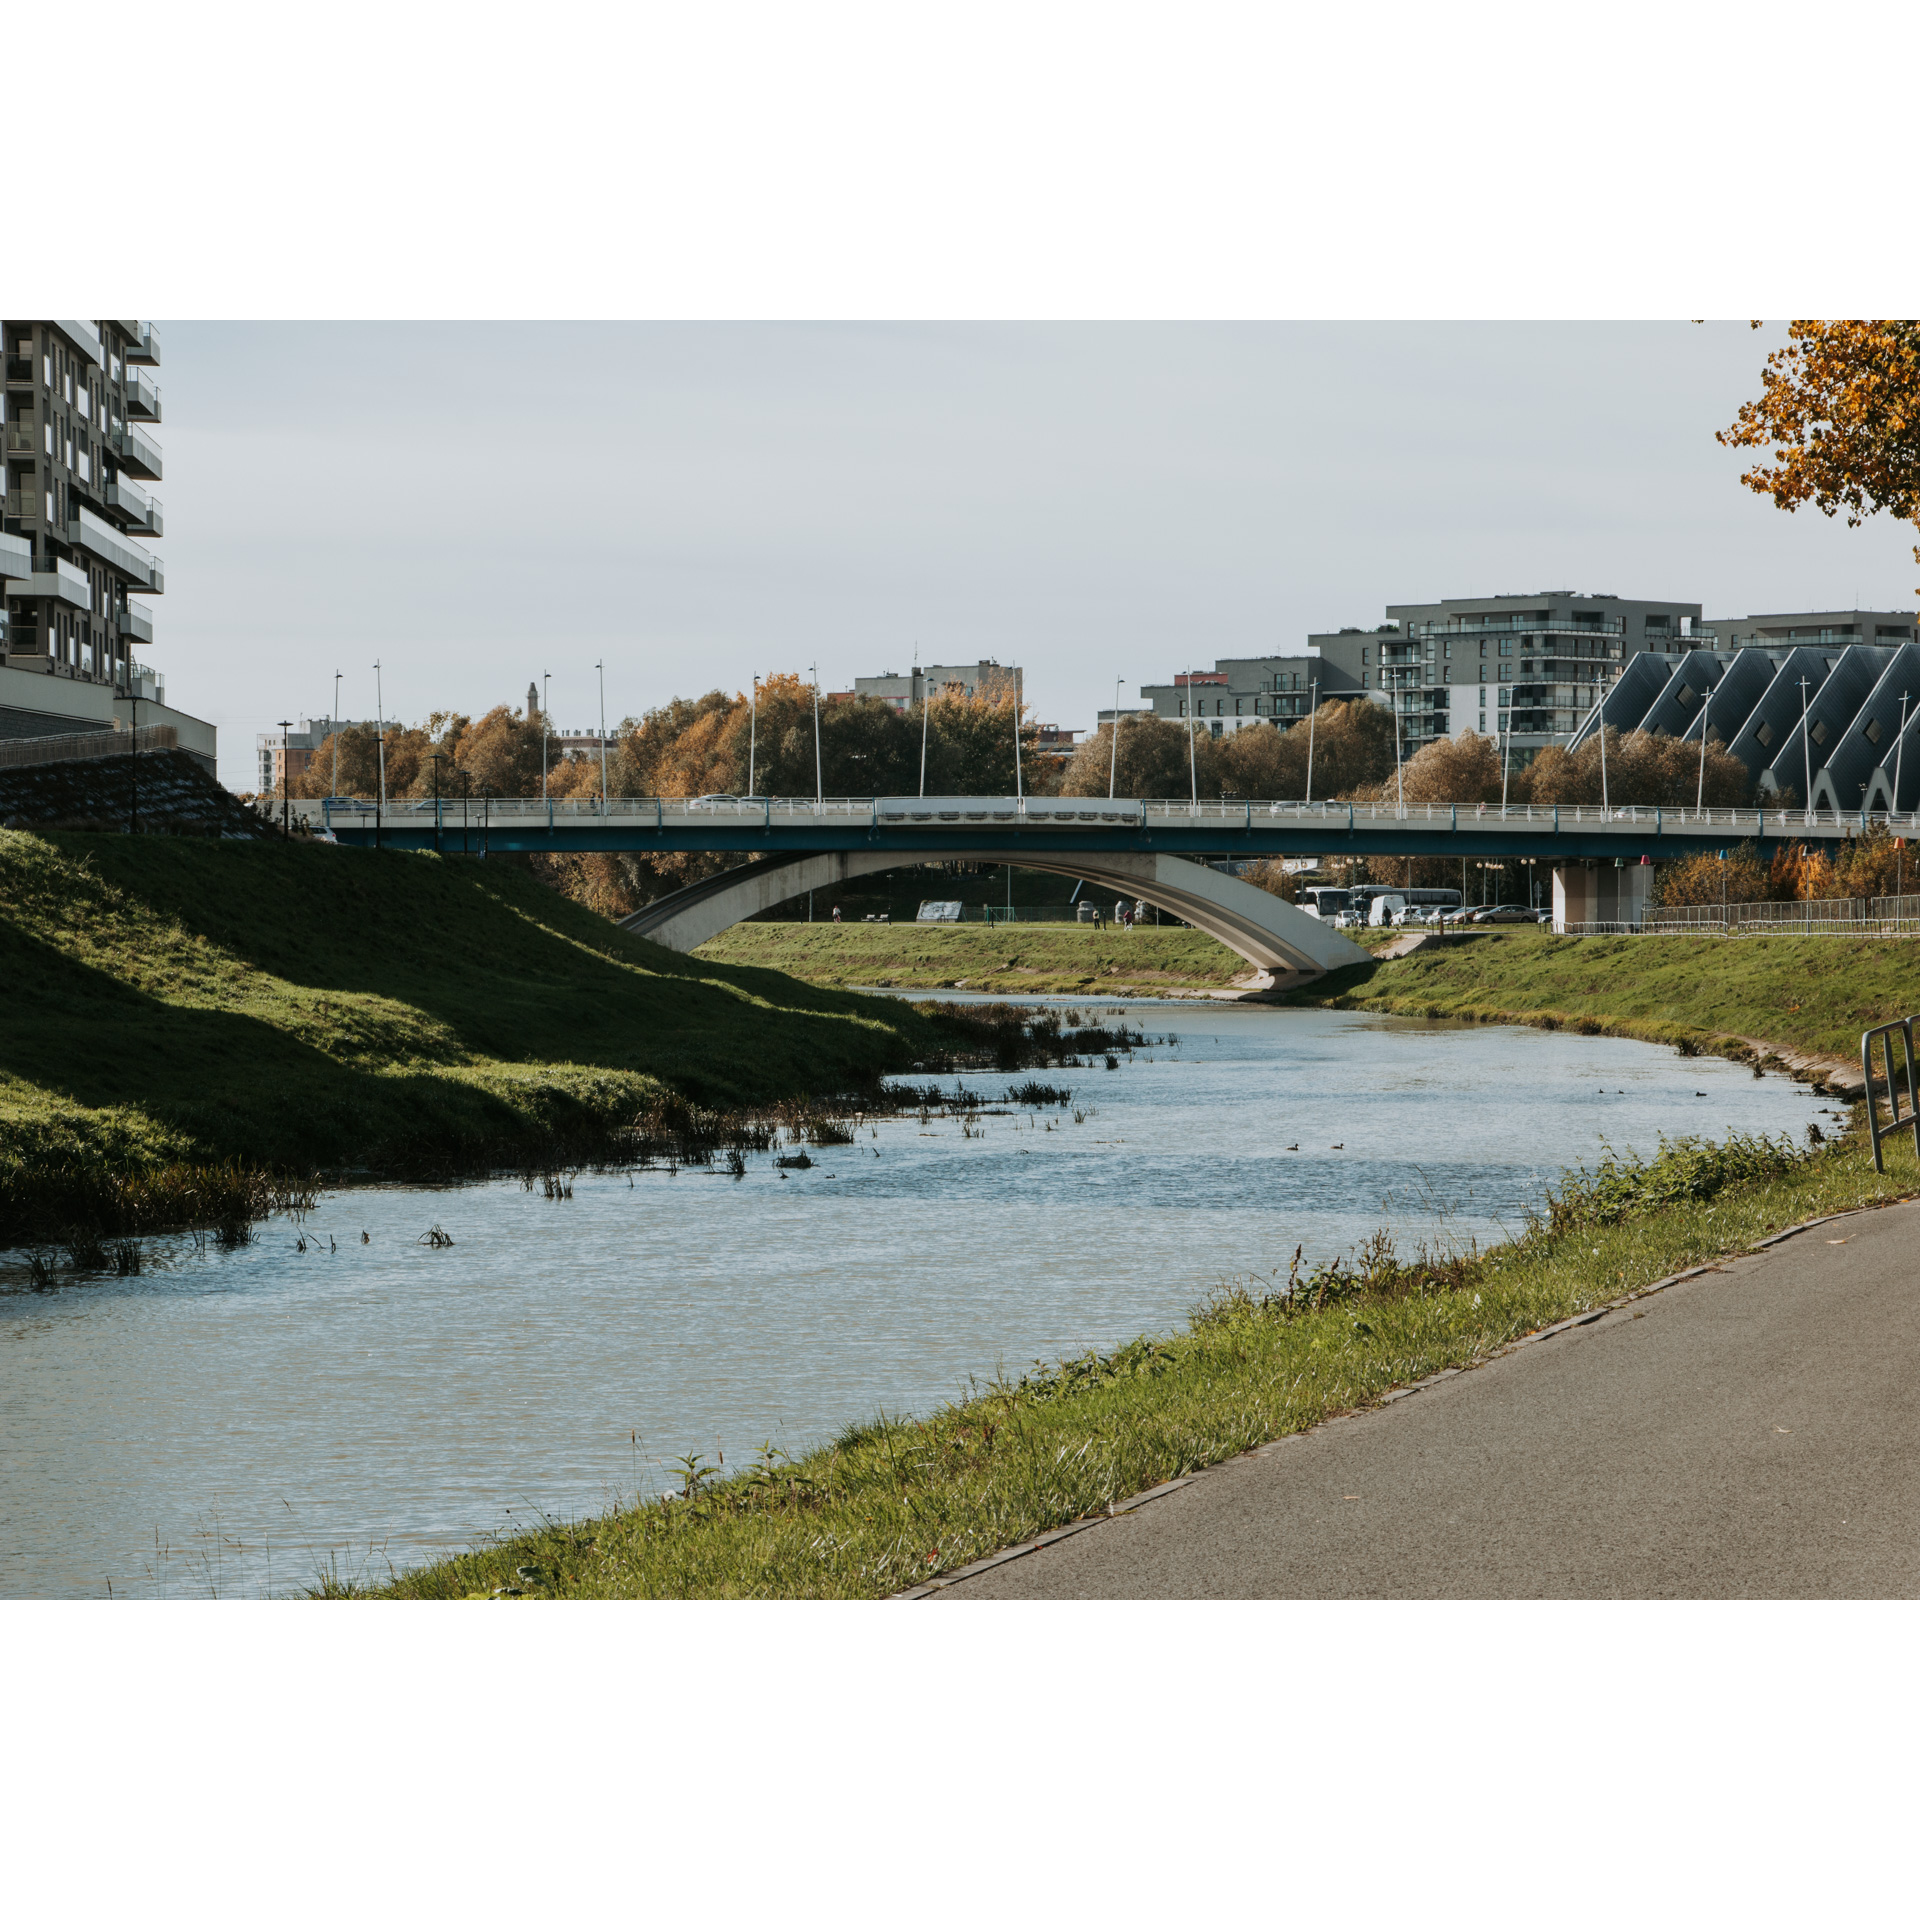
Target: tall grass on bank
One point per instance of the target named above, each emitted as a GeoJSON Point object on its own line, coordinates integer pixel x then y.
{"type": "Point", "coordinates": [898, 1499]}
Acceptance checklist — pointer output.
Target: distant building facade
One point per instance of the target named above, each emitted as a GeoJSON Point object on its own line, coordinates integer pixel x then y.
{"type": "Point", "coordinates": [986, 679]}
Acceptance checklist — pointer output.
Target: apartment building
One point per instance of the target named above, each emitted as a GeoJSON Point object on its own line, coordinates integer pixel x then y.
{"type": "Point", "coordinates": [1256, 690]}
{"type": "Point", "coordinates": [79, 570]}
{"type": "Point", "coordinates": [987, 679]}
{"type": "Point", "coordinates": [1533, 664]}
{"type": "Point", "coordinates": [277, 763]}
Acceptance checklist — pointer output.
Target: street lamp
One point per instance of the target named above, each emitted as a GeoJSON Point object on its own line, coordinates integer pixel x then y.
{"type": "Point", "coordinates": [286, 829]}
{"type": "Point", "coordinates": [1019, 791]}
{"type": "Point", "coordinates": [924, 692]}
{"type": "Point", "coordinates": [333, 745]}
{"type": "Point", "coordinates": [1113, 759]}
{"type": "Point", "coordinates": [599, 667]}
{"type": "Point", "coordinates": [380, 754]}
{"type": "Point", "coordinates": [819, 789]}
{"type": "Point", "coordinates": [1193, 766]}
{"type": "Point", "coordinates": [1806, 750]}
{"type": "Point", "coordinates": [753, 731]}
{"type": "Point", "coordinates": [545, 728]}
{"type": "Point", "coordinates": [436, 757]}
{"type": "Point", "coordinates": [1312, 715]}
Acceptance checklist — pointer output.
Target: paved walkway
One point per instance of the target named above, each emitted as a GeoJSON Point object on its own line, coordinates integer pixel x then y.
{"type": "Point", "coordinates": [1753, 1433]}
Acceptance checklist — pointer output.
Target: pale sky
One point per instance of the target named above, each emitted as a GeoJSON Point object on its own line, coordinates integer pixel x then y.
{"type": "Point", "coordinates": [474, 503]}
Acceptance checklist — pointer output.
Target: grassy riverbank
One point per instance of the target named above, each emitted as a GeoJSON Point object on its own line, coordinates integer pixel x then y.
{"type": "Point", "coordinates": [184, 1014]}
{"type": "Point", "coordinates": [1049, 958]}
{"type": "Point", "coordinates": [892, 1503]}
{"type": "Point", "coordinates": [1814, 995]}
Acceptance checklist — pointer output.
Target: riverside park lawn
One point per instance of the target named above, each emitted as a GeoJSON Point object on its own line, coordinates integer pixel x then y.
{"type": "Point", "coordinates": [1044, 957]}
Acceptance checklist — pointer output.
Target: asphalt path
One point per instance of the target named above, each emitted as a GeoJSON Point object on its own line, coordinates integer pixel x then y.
{"type": "Point", "coordinates": [1753, 1433]}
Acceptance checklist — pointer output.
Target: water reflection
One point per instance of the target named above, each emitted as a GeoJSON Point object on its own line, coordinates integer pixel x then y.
{"type": "Point", "coordinates": [227, 1420]}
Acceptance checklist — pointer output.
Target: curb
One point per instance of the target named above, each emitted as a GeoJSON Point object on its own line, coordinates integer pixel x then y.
{"type": "Point", "coordinates": [939, 1582]}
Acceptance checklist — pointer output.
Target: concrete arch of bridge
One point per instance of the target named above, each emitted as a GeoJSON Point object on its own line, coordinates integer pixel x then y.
{"type": "Point", "coordinates": [1278, 939]}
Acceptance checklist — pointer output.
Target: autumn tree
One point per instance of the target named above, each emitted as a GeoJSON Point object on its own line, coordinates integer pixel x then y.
{"type": "Point", "coordinates": [1839, 407]}
{"type": "Point", "coordinates": [1640, 771]}
{"type": "Point", "coordinates": [1152, 764]}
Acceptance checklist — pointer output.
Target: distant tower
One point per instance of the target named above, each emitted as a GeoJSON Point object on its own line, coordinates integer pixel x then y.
{"type": "Point", "coordinates": [533, 699]}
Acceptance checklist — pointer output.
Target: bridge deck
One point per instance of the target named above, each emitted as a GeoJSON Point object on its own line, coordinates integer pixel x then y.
{"type": "Point", "coordinates": [941, 827]}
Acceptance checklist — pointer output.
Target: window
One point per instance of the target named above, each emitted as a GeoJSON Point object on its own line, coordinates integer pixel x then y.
{"type": "Point", "coordinates": [1506, 673]}
{"type": "Point", "coordinates": [1365, 655]}
{"type": "Point", "coordinates": [1217, 729]}
{"type": "Point", "coordinates": [1483, 696]}
{"type": "Point", "coordinates": [1506, 650]}
{"type": "Point", "coordinates": [1239, 707]}
{"type": "Point", "coordinates": [1365, 680]}
{"type": "Point", "coordinates": [1505, 695]}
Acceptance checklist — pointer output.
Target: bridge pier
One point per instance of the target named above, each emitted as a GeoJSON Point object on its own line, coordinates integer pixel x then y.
{"type": "Point", "coordinates": [1606, 890]}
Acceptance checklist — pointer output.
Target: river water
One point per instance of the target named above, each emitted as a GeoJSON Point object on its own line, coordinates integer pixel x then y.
{"type": "Point", "coordinates": [228, 1422]}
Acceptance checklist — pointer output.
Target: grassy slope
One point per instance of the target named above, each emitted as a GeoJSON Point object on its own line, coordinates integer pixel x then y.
{"type": "Point", "coordinates": [1016, 959]}
{"type": "Point", "coordinates": [1811, 994]}
{"type": "Point", "coordinates": [885, 1507]}
{"type": "Point", "coordinates": [305, 1006]}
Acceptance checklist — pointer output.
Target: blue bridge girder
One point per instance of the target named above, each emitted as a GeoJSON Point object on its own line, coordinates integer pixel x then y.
{"type": "Point", "coordinates": [972, 827]}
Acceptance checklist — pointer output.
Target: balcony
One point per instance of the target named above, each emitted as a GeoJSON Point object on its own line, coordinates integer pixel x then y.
{"type": "Point", "coordinates": [86, 336]}
{"type": "Point", "coordinates": [136, 451]}
{"type": "Point", "coordinates": [143, 396]}
{"type": "Point", "coordinates": [90, 532]}
{"type": "Point", "coordinates": [19, 369]}
{"type": "Point", "coordinates": [1516, 623]}
{"type": "Point", "coordinates": [146, 343]}
{"type": "Point", "coordinates": [20, 437]}
{"type": "Point", "coordinates": [16, 557]}
{"type": "Point", "coordinates": [136, 626]}
{"type": "Point", "coordinates": [54, 580]}
{"type": "Point", "coordinates": [139, 511]}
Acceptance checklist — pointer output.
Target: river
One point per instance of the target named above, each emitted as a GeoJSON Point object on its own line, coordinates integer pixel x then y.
{"type": "Point", "coordinates": [227, 1422]}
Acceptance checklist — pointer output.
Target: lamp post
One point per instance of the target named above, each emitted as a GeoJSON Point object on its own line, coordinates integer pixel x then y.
{"type": "Point", "coordinates": [1505, 717]}
{"type": "Point", "coordinates": [333, 745]}
{"type": "Point", "coordinates": [1806, 751]}
{"type": "Point", "coordinates": [753, 731]}
{"type": "Point", "coordinates": [600, 667]}
{"type": "Point", "coordinates": [1019, 790]}
{"type": "Point", "coordinates": [819, 789]}
{"type": "Point", "coordinates": [1399, 778]}
{"type": "Point", "coordinates": [925, 690]}
{"type": "Point", "coordinates": [436, 757]}
{"type": "Point", "coordinates": [133, 764]}
{"type": "Point", "coordinates": [380, 755]}
{"type": "Point", "coordinates": [545, 729]}
{"type": "Point", "coordinates": [1899, 748]}
{"type": "Point", "coordinates": [1312, 716]}
{"type": "Point", "coordinates": [1700, 794]}
{"type": "Point", "coordinates": [286, 826]}
{"type": "Point", "coordinates": [1193, 766]}
{"type": "Point", "coordinates": [1113, 759]}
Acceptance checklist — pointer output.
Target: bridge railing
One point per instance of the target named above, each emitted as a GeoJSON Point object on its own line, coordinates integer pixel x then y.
{"type": "Point", "coordinates": [945, 811]}
{"type": "Point", "coordinates": [1893, 917]}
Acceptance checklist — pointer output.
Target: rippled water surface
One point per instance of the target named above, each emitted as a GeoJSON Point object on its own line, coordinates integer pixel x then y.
{"type": "Point", "coordinates": [227, 1421]}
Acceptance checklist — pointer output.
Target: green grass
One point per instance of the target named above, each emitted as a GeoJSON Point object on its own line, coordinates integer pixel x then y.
{"type": "Point", "coordinates": [1815, 995]}
{"type": "Point", "coordinates": [1049, 958]}
{"type": "Point", "coordinates": [888, 1504]}
{"type": "Point", "coordinates": [187, 1003]}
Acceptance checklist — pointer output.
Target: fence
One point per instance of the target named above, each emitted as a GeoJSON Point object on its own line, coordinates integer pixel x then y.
{"type": "Point", "coordinates": [44, 750]}
{"type": "Point", "coordinates": [1887, 916]}
{"type": "Point", "coordinates": [1884, 1034]}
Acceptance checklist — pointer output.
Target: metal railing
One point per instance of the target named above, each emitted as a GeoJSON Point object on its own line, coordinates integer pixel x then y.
{"type": "Point", "coordinates": [49, 749]}
{"type": "Point", "coordinates": [1884, 1034]}
{"type": "Point", "coordinates": [1887, 916]}
{"type": "Point", "coordinates": [947, 809]}
{"type": "Point", "coordinates": [1437, 630]}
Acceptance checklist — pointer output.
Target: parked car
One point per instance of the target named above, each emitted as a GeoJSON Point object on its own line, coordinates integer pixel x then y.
{"type": "Point", "coordinates": [1504, 917]}
{"type": "Point", "coordinates": [1349, 919]}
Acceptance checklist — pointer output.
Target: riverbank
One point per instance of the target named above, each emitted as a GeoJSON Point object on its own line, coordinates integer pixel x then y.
{"type": "Point", "coordinates": [902, 1499]}
{"type": "Point", "coordinates": [1155, 962]}
{"type": "Point", "coordinates": [197, 1029]}
{"type": "Point", "coordinates": [1805, 1000]}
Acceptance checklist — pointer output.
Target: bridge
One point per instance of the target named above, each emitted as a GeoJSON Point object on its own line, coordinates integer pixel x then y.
{"type": "Point", "coordinates": [1147, 848]}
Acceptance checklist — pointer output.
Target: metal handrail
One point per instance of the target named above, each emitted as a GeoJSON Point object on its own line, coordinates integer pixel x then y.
{"type": "Point", "coordinates": [1884, 1033]}
{"type": "Point", "coordinates": [1782, 822]}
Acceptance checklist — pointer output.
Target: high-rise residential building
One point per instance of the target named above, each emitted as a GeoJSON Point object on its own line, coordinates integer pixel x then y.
{"type": "Point", "coordinates": [79, 570]}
